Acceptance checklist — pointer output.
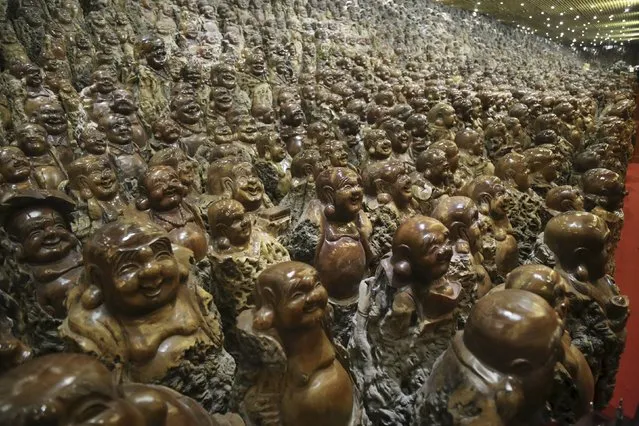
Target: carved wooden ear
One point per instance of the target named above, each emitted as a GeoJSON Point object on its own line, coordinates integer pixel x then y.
{"type": "Point", "coordinates": [483, 204]}
{"type": "Point", "coordinates": [458, 230]}
{"type": "Point", "coordinates": [330, 194]}
{"type": "Point", "coordinates": [380, 186]}
{"type": "Point", "coordinates": [142, 203]}
{"type": "Point", "coordinates": [581, 271]}
{"type": "Point", "coordinates": [227, 184]}
{"type": "Point", "coordinates": [308, 171]}
{"type": "Point", "coordinates": [83, 185]}
{"type": "Point", "coordinates": [264, 318]}
{"type": "Point", "coordinates": [222, 242]}
{"type": "Point", "coordinates": [371, 150]}
{"type": "Point", "coordinates": [401, 261]}
{"type": "Point", "coordinates": [184, 271]}
{"type": "Point", "coordinates": [92, 297]}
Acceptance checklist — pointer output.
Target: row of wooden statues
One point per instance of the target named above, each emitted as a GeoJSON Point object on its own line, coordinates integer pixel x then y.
{"type": "Point", "coordinates": [138, 310]}
{"type": "Point", "coordinates": [304, 213]}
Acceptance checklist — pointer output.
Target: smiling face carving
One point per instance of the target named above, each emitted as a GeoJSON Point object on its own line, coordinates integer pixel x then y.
{"type": "Point", "coordinates": [134, 266]}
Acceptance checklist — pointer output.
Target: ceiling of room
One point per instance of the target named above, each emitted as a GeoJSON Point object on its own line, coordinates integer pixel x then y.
{"type": "Point", "coordinates": [580, 23]}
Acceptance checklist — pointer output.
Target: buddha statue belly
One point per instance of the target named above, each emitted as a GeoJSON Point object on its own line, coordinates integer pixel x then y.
{"type": "Point", "coordinates": [341, 261]}
{"type": "Point", "coordinates": [322, 399]}
{"type": "Point", "coordinates": [192, 237]}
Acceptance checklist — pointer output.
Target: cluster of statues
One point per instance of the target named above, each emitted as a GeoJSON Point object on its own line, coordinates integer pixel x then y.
{"type": "Point", "coordinates": [307, 212]}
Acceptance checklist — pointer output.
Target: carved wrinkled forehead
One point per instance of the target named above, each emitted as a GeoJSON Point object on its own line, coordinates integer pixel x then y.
{"type": "Point", "coordinates": [419, 232]}
{"type": "Point", "coordinates": [276, 279]}
{"type": "Point", "coordinates": [455, 209]}
{"type": "Point", "coordinates": [158, 173]}
{"type": "Point", "coordinates": [33, 388]}
{"type": "Point", "coordinates": [222, 210]}
{"type": "Point", "coordinates": [125, 234]}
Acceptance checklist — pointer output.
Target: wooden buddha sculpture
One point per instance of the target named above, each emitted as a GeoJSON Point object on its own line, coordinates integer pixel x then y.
{"type": "Point", "coordinates": [524, 206]}
{"type": "Point", "coordinates": [45, 163]}
{"type": "Point", "coordinates": [604, 191]}
{"type": "Point", "coordinates": [432, 179]}
{"type": "Point", "coordinates": [16, 173]}
{"type": "Point", "coordinates": [137, 306]}
{"type": "Point", "coordinates": [273, 166]}
{"type": "Point", "coordinates": [493, 372]}
{"type": "Point", "coordinates": [342, 253]}
{"type": "Point", "coordinates": [162, 195]}
{"type": "Point", "coordinates": [95, 183]}
{"type": "Point", "coordinates": [461, 216]}
{"type": "Point", "coordinates": [473, 161]}
{"type": "Point", "coordinates": [238, 253]}
{"type": "Point", "coordinates": [188, 169]}
{"type": "Point", "coordinates": [308, 384]}
{"type": "Point", "coordinates": [597, 317]}
{"type": "Point", "coordinates": [305, 167]}
{"type": "Point", "coordinates": [441, 122]}
{"type": "Point", "coordinates": [406, 317]}
{"type": "Point", "coordinates": [238, 180]}
{"type": "Point", "coordinates": [73, 389]}
{"type": "Point", "coordinates": [498, 246]}
{"type": "Point", "coordinates": [38, 228]}
{"type": "Point", "coordinates": [388, 201]}
{"type": "Point", "coordinates": [574, 386]}
{"type": "Point", "coordinates": [124, 153]}
{"type": "Point", "coordinates": [563, 198]}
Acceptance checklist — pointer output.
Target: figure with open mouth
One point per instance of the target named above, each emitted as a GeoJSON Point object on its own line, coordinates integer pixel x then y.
{"type": "Point", "coordinates": [152, 79]}
{"type": "Point", "coordinates": [228, 178]}
{"type": "Point", "coordinates": [138, 305]}
{"type": "Point", "coordinates": [96, 97]}
{"type": "Point", "coordinates": [48, 262]}
{"type": "Point", "coordinates": [43, 158]}
{"type": "Point", "coordinates": [378, 146]}
{"type": "Point", "coordinates": [388, 201]}
{"type": "Point", "coordinates": [473, 160]}
{"type": "Point", "coordinates": [461, 216]}
{"type": "Point", "coordinates": [441, 122]}
{"type": "Point", "coordinates": [287, 328]}
{"type": "Point", "coordinates": [406, 316]}
{"type": "Point", "coordinates": [94, 182]}
{"type": "Point", "coordinates": [238, 252]}
{"type": "Point", "coordinates": [52, 118]}
{"type": "Point", "coordinates": [122, 102]}
{"type": "Point", "coordinates": [124, 153]}
{"type": "Point", "coordinates": [162, 196]}
{"type": "Point", "coordinates": [432, 179]}
{"type": "Point", "coordinates": [498, 246]}
{"type": "Point", "coordinates": [16, 173]}
{"type": "Point", "coordinates": [186, 112]}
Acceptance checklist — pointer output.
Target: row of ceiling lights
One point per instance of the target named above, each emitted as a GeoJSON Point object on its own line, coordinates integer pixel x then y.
{"type": "Point", "coordinates": [611, 39]}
